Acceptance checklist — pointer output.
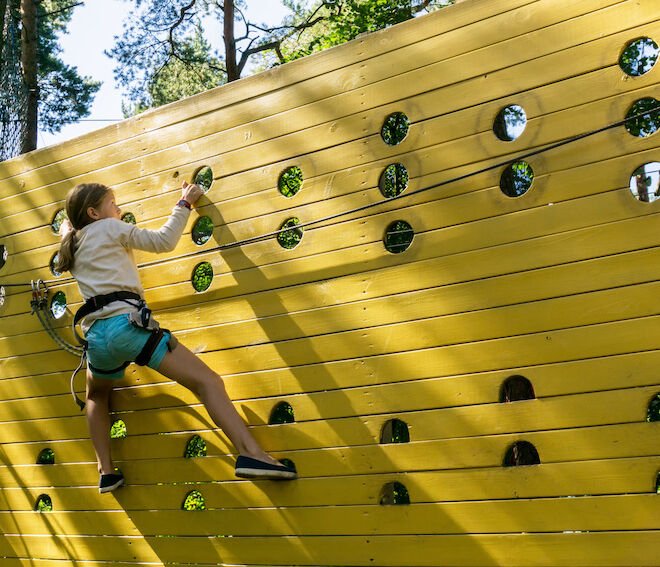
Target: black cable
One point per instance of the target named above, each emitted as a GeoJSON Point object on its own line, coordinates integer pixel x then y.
{"type": "Point", "coordinates": [261, 237]}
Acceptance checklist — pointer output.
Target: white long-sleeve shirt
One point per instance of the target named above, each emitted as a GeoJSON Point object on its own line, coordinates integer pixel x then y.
{"type": "Point", "coordinates": [104, 262]}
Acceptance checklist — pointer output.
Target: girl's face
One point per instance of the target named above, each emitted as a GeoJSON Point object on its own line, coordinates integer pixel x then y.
{"type": "Point", "coordinates": [107, 209]}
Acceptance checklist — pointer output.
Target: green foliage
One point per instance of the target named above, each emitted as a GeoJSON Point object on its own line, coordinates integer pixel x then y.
{"type": "Point", "coordinates": [118, 430]}
{"type": "Point", "coordinates": [344, 20]}
{"type": "Point", "coordinates": [290, 181]}
{"type": "Point", "coordinates": [653, 413]}
{"type": "Point", "coordinates": [517, 179]}
{"type": "Point", "coordinates": [157, 67]}
{"type": "Point", "coordinates": [648, 121]}
{"type": "Point", "coordinates": [129, 218]}
{"type": "Point", "coordinates": [194, 501]}
{"type": "Point", "coordinates": [44, 504]}
{"type": "Point", "coordinates": [202, 230]}
{"type": "Point", "coordinates": [196, 447]}
{"type": "Point", "coordinates": [46, 457]}
{"type": "Point", "coordinates": [57, 221]}
{"type": "Point", "coordinates": [290, 238]}
{"type": "Point", "coordinates": [64, 96]}
{"type": "Point", "coordinates": [395, 128]}
{"type": "Point", "coordinates": [639, 56]}
{"type": "Point", "coordinates": [202, 276]}
{"type": "Point", "coordinates": [282, 413]}
{"type": "Point", "coordinates": [398, 236]}
{"type": "Point", "coordinates": [204, 178]}
{"type": "Point", "coordinates": [394, 180]}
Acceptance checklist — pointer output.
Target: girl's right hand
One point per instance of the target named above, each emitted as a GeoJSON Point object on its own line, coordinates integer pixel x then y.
{"type": "Point", "coordinates": [191, 192]}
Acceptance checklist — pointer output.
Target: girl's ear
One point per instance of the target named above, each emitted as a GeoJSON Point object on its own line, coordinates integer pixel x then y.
{"type": "Point", "coordinates": [92, 213]}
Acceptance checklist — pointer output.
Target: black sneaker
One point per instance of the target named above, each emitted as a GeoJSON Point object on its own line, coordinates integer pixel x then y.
{"type": "Point", "coordinates": [247, 467]}
{"type": "Point", "coordinates": [110, 482]}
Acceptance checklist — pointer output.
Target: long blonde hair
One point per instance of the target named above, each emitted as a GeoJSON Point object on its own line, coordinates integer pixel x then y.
{"type": "Point", "coordinates": [79, 199]}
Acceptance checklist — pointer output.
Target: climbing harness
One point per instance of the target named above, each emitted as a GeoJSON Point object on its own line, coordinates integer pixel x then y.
{"type": "Point", "coordinates": [142, 316]}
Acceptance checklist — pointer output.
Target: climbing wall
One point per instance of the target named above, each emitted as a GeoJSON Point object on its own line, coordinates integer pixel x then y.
{"type": "Point", "coordinates": [465, 375]}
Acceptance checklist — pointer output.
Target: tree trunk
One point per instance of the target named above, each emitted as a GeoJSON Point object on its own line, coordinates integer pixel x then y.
{"type": "Point", "coordinates": [3, 12]}
{"type": "Point", "coordinates": [29, 45]}
{"type": "Point", "coordinates": [230, 42]}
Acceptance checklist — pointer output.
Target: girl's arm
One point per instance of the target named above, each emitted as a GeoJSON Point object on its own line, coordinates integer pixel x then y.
{"type": "Point", "coordinates": [167, 236]}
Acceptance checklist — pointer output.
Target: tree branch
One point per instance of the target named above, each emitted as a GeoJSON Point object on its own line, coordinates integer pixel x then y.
{"type": "Point", "coordinates": [420, 7]}
{"type": "Point", "coordinates": [71, 7]}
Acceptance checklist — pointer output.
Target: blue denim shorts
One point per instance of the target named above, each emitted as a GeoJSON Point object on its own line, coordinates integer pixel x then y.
{"type": "Point", "coordinates": [113, 341]}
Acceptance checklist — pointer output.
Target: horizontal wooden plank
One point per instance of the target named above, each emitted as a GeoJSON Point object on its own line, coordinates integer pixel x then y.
{"type": "Point", "coordinates": [566, 445]}
{"type": "Point", "coordinates": [571, 549]}
{"type": "Point", "coordinates": [585, 513]}
{"type": "Point", "coordinates": [618, 476]}
{"type": "Point", "coordinates": [581, 410]}
{"type": "Point", "coordinates": [142, 391]}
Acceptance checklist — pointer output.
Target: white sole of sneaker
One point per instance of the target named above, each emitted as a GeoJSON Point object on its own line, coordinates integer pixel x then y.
{"type": "Point", "coordinates": [265, 474]}
{"type": "Point", "coordinates": [112, 486]}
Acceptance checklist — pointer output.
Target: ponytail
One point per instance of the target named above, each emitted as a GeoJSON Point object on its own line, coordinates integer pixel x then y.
{"type": "Point", "coordinates": [67, 250]}
{"type": "Point", "coordinates": [79, 199]}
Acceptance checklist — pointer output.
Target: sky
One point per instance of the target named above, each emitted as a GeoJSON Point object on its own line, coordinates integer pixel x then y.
{"type": "Point", "coordinates": [91, 32]}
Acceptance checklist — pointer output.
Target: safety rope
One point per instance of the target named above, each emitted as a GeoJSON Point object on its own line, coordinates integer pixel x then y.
{"type": "Point", "coordinates": [406, 195]}
{"type": "Point", "coordinates": [39, 304]}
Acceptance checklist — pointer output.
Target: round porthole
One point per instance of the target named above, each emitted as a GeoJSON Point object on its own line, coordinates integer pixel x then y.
{"type": "Point", "coordinates": [639, 56]}
{"type": "Point", "coordinates": [3, 255]}
{"type": "Point", "coordinates": [645, 182]}
{"type": "Point", "coordinates": [202, 276]}
{"type": "Point", "coordinates": [129, 218]}
{"type": "Point", "coordinates": [292, 237]}
{"type": "Point", "coordinates": [510, 123]}
{"type": "Point", "coordinates": [118, 429]}
{"type": "Point", "coordinates": [53, 265]}
{"type": "Point", "coordinates": [44, 503]}
{"type": "Point", "coordinates": [394, 494]}
{"type": "Point", "coordinates": [196, 447]}
{"type": "Point", "coordinates": [643, 118]}
{"type": "Point", "coordinates": [395, 128]}
{"type": "Point", "coordinates": [516, 179]}
{"type": "Point", "coordinates": [281, 413]}
{"type": "Point", "coordinates": [290, 181]}
{"type": "Point", "coordinates": [194, 501]}
{"type": "Point", "coordinates": [393, 180]}
{"type": "Point", "coordinates": [57, 221]}
{"type": "Point", "coordinates": [398, 236]}
{"type": "Point", "coordinates": [521, 453]}
{"type": "Point", "coordinates": [46, 457]}
{"type": "Point", "coordinates": [58, 305]}
{"type": "Point", "coordinates": [202, 230]}
{"type": "Point", "coordinates": [204, 178]}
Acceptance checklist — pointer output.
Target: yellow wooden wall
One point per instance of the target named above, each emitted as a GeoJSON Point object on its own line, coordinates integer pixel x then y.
{"type": "Point", "coordinates": [559, 285]}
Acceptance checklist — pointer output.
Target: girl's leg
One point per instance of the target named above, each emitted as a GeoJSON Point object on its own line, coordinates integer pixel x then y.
{"type": "Point", "coordinates": [190, 371]}
{"type": "Point", "coordinates": [98, 420]}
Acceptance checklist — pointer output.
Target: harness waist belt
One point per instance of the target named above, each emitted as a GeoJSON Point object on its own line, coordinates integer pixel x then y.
{"type": "Point", "coordinates": [100, 301]}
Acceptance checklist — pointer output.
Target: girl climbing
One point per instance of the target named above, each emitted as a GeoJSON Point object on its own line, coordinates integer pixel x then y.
{"type": "Point", "coordinates": [97, 249]}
